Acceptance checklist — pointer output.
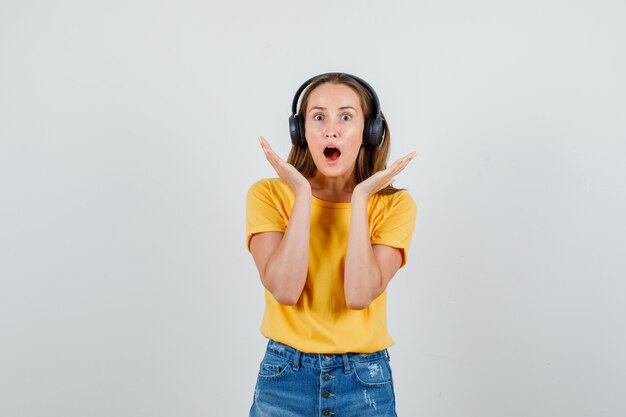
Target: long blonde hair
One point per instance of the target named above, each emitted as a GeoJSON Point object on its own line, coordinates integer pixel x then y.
{"type": "Point", "coordinates": [370, 159]}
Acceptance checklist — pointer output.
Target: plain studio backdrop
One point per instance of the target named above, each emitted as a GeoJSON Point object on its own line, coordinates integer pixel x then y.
{"type": "Point", "coordinates": [128, 142]}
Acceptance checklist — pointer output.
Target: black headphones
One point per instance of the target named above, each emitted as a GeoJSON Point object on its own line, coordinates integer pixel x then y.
{"type": "Point", "coordinates": [373, 129]}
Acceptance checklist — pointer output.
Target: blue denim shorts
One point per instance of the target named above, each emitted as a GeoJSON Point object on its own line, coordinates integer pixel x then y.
{"type": "Point", "coordinates": [295, 384]}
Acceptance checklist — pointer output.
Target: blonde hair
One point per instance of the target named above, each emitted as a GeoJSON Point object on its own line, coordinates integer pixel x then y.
{"type": "Point", "coordinates": [370, 159]}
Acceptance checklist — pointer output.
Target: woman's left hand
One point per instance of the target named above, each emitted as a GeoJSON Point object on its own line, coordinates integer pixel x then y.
{"type": "Point", "coordinates": [382, 179]}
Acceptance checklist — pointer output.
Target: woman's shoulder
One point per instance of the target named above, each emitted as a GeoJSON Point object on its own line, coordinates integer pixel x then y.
{"type": "Point", "coordinates": [400, 198]}
{"type": "Point", "coordinates": [399, 204]}
{"type": "Point", "coordinates": [396, 210]}
{"type": "Point", "coordinates": [274, 186]}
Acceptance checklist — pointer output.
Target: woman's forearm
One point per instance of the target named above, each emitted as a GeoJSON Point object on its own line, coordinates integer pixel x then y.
{"type": "Point", "coordinates": [362, 275]}
{"type": "Point", "coordinates": [286, 270]}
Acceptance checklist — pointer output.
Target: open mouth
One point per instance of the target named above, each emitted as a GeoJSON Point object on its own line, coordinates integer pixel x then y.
{"type": "Point", "coordinates": [331, 153]}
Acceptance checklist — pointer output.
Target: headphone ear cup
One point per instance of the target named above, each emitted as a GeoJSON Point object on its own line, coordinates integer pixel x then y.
{"type": "Point", "coordinates": [293, 130]}
{"type": "Point", "coordinates": [374, 131]}
{"type": "Point", "coordinates": [296, 130]}
{"type": "Point", "coordinates": [301, 135]}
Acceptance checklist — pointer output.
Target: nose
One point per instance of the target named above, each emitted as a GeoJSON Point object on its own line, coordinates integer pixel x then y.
{"type": "Point", "coordinates": [331, 131]}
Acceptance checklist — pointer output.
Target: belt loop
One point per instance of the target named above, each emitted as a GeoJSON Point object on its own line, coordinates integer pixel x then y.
{"type": "Point", "coordinates": [346, 363]}
{"type": "Point", "coordinates": [296, 360]}
{"type": "Point", "coordinates": [388, 355]}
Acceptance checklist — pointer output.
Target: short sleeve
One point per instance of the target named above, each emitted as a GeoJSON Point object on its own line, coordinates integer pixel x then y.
{"type": "Point", "coordinates": [393, 222]}
{"type": "Point", "coordinates": [266, 209]}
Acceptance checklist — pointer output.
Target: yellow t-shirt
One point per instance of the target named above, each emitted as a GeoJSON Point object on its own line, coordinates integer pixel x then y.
{"type": "Point", "coordinates": [321, 322]}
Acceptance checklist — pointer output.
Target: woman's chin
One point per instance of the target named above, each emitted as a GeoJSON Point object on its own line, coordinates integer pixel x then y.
{"type": "Point", "coordinates": [334, 171]}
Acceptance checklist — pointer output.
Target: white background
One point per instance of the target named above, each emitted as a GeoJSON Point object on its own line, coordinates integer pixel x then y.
{"type": "Point", "coordinates": [128, 141]}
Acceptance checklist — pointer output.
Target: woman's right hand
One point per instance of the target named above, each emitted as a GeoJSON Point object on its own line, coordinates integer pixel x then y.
{"type": "Point", "coordinates": [294, 179]}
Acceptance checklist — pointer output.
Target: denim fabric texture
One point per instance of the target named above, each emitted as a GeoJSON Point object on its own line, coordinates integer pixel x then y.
{"type": "Point", "coordinates": [295, 384]}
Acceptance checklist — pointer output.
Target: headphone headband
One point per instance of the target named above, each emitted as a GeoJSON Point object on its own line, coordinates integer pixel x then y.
{"type": "Point", "coordinates": [296, 98]}
{"type": "Point", "coordinates": [374, 129]}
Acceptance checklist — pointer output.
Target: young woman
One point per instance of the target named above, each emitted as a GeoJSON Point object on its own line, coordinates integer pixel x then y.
{"type": "Point", "coordinates": [327, 236]}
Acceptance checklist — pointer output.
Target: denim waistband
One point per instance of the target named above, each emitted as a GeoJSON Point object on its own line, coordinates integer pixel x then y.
{"type": "Point", "coordinates": [298, 358]}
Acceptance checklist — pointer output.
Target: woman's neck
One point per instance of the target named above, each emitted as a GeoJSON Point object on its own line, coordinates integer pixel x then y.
{"type": "Point", "coordinates": [333, 189]}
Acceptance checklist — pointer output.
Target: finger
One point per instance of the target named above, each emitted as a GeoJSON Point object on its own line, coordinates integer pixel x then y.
{"type": "Point", "coordinates": [273, 157]}
{"type": "Point", "coordinates": [397, 166]}
{"type": "Point", "coordinates": [401, 163]}
{"type": "Point", "coordinates": [384, 185]}
{"type": "Point", "coordinates": [407, 158]}
{"type": "Point", "coordinates": [269, 152]}
{"type": "Point", "coordinates": [264, 146]}
{"type": "Point", "coordinates": [264, 143]}
{"type": "Point", "coordinates": [276, 162]}
{"type": "Point", "coordinates": [268, 149]}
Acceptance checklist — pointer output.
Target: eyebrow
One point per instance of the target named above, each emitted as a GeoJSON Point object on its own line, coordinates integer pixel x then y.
{"type": "Point", "coordinates": [324, 108]}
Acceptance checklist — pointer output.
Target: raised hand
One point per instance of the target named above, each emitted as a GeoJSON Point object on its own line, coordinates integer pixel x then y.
{"type": "Point", "coordinates": [294, 179]}
{"type": "Point", "coordinates": [382, 179]}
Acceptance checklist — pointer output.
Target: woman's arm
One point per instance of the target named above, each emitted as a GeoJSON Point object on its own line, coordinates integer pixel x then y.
{"type": "Point", "coordinates": [283, 258]}
{"type": "Point", "coordinates": [369, 268]}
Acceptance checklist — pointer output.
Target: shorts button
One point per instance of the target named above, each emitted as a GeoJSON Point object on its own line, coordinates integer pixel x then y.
{"type": "Point", "coordinates": [326, 377]}
{"type": "Point", "coordinates": [326, 413]}
{"type": "Point", "coordinates": [326, 394]}
{"type": "Point", "coordinates": [328, 357]}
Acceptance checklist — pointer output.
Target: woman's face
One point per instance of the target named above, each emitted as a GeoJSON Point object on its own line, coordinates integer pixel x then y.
{"type": "Point", "coordinates": [333, 128]}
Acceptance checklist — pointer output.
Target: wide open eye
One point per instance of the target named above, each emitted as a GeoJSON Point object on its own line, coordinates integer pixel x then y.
{"type": "Point", "coordinates": [346, 117]}
{"type": "Point", "coordinates": [318, 117]}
